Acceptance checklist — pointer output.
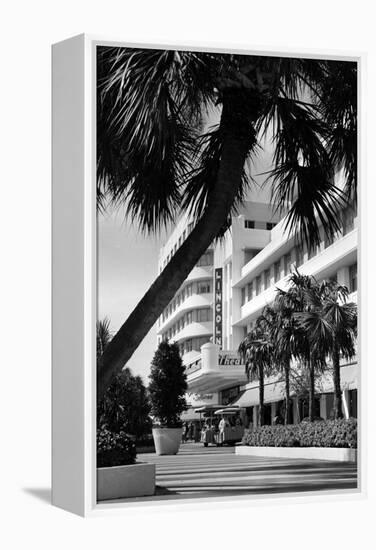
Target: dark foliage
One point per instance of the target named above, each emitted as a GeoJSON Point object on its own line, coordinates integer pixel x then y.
{"type": "Point", "coordinates": [328, 433]}
{"type": "Point", "coordinates": [168, 384]}
{"type": "Point", "coordinates": [114, 449]}
{"type": "Point", "coordinates": [125, 406]}
{"type": "Point", "coordinates": [155, 155]}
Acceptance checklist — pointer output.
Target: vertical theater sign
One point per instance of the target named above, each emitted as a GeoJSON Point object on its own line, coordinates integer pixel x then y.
{"type": "Point", "coordinates": [218, 307]}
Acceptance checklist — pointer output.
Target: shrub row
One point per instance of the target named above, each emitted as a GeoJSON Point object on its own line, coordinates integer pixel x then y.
{"type": "Point", "coordinates": [328, 433]}
{"type": "Point", "coordinates": [114, 449]}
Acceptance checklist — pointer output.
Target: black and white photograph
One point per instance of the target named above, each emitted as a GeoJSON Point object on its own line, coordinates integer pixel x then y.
{"type": "Point", "coordinates": [227, 274]}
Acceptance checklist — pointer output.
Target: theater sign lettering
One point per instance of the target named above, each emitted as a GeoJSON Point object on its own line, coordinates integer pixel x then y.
{"type": "Point", "coordinates": [228, 359]}
{"type": "Point", "coordinates": [218, 306]}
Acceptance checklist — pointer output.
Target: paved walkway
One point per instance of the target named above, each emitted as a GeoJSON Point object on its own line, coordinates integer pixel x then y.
{"type": "Point", "coordinates": [197, 471]}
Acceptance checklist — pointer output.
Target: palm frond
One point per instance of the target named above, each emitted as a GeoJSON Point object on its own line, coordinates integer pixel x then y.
{"type": "Point", "coordinates": [150, 104]}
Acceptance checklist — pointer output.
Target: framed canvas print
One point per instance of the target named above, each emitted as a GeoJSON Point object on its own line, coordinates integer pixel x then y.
{"type": "Point", "coordinates": [206, 333]}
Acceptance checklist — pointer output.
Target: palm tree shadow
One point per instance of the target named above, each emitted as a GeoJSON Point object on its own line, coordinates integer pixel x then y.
{"type": "Point", "coordinates": [41, 493]}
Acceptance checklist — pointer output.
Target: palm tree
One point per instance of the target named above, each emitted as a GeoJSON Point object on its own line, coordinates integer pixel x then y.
{"type": "Point", "coordinates": [257, 351]}
{"type": "Point", "coordinates": [103, 335]}
{"type": "Point", "coordinates": [331, 325]}
{"type": "Point", "coordinates": [156, 157]}
{"type": "Point", "coordinates": [285, 334]}
{"type": "Point", "coordinates": [295, 300]}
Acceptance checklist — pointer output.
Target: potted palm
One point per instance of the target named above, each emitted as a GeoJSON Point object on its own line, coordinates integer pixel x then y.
{"type": "Point", "coordinates": [168, 384]}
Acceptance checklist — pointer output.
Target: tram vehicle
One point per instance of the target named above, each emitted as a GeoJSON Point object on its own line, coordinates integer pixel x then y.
{"type": "Point", "coordinates": [220, 426]}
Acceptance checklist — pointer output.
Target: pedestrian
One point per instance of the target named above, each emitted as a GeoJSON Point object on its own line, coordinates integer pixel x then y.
{"type": "Point", "coordinates": [196, 432]}
{"type": "Point", "coordinates": [223, 424]}
{"type": "Point", "coordinates": [190, 431]}
{"type": "Point", "coordinates": [185, 431]}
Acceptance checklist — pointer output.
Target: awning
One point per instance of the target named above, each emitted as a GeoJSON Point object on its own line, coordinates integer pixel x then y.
{"type": "Point", "coordinates": [349, 379]}
{"type": "Point", "coordinates": [189, 415]}
{"type": "Point", "coordinates": [275, 391]}
{"type": "Point", "coordinates": [228, 410]}
{"type": "Point", "coordinates": [250, 397]}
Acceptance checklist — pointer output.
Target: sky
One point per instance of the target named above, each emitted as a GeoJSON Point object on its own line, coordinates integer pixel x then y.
{"type": "Point", "coordinates": [127, 265]}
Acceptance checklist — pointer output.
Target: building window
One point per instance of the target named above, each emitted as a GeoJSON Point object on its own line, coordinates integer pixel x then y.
{"type": "Point", "coordinates": [204, 287]}
{"type": "Point", "coordinates": [353, 274]}
{"type": "Point", "coordinates": [277, 270]}
{"type": "Point", "coordinates": [229, 395]}
{"type": "Point", "coordinates": [287, 260]}
{"type": "Point", "coordinates": [267, 278]}
{"type": "Point", "coordinates": [270, 225]}
{"type": "Point", "coordinates": [243, 295]}
{"type": "Point", "coordinates": [204, 315]}
{"type": "Point", "coordinates": [298, 256]}
{"type": "Point", "coordinates": [249, 291]}
{"type": "Point", "coordinates": [249, 224]}
{"type": "Point", "coordinates": [206, 259]}
{"type": "Point", "coordinates": [258, 285]}
{"type": "Point", "coordinates": [188, 346]}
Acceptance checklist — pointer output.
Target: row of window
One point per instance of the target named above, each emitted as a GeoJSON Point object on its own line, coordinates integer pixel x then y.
{"type": "Point", "coordinates": [179, 242]}
{"type": "Point", "coordinates": [193, 344]}
{"type": "Point", "coordinates": [253, 224]}
{"type": "Point", "coordinates": [199, 287]}
{"type": "Point", "coordinates": [203, 315]}
{"type": "Point", "coordinates": [206, 259]}
{"type": "Point", "coordinates": [254, 287]}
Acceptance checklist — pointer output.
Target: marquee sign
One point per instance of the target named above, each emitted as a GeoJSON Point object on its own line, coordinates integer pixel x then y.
{"type": "Point", "coordinates": [229, 358]}
{"type": "Point", "coordinates": [201, 399]}
{"type": "Point", "coordinates": [218, 306]}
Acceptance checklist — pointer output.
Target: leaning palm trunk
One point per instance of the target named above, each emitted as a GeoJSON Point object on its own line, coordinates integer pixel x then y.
{"type": "Point", "coordinates": [261, 411]}
{"type": "Point", "coordinates": [220, 202]}
{"type": "Point", "coordinates": [337, 384]}
{"type": "Point", "coordinates": [287, 392]}
{"type": "Point", "coordinates": [311, 390]}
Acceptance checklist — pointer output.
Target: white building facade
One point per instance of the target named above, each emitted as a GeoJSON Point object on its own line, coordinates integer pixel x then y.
{"type": "Point", "coordinates": [226, 292]}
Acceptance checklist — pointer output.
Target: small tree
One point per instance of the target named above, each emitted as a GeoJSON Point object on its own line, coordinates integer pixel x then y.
{"type": "Point", "coordinates": [168, 384]}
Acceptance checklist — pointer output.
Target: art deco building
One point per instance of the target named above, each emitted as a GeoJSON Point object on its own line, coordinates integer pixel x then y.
{"type": "Point", "coordinates": [227, 290]}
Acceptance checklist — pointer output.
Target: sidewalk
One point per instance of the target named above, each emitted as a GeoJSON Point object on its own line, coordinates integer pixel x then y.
{"type": "Point", "coordinates": [198, 471]}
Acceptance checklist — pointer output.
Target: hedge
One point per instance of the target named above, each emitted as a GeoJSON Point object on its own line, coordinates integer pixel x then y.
{"type": "Point", "coordinates": [114, 449]}
{"type": "Point", "coordinates": [327, 433]}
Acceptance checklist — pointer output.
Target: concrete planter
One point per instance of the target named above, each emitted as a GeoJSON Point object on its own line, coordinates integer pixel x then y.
{"type": "Point", "coordinates": [314, 453]}
{"type": "Point", "coordinates": [167, 440]}
{"type": "Point", "coordinates": [133, 480]}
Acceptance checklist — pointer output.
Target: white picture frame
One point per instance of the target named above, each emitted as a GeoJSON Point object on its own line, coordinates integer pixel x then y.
{"type": "Point", "coordinates": [74, 277]}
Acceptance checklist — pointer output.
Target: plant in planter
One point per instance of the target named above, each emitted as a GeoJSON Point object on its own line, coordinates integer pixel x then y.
{"type": "Point", "coordinates": [168, 384]}
{"type": "Point", "coordinates": [114, 449]}
{"type": "Point", "coordinates": [118, 473]}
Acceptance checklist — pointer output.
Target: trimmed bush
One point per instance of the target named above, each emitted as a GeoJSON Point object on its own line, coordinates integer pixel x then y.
{"type": "Point", "coordinates": [168, 384]}
{"type": "Point", "coordinates": [328, 433]}
{"type": "Point", "coordinates": [114, 449]}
